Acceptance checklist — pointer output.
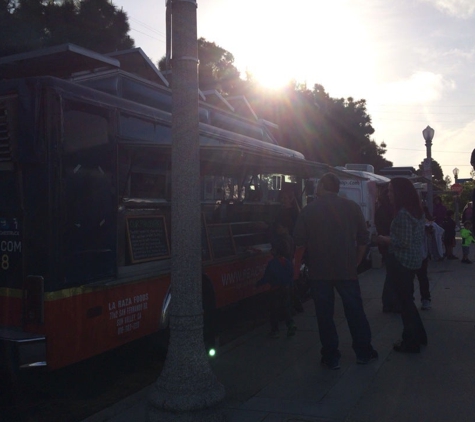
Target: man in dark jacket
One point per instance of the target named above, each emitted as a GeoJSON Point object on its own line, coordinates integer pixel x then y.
{"type": "Point", "coordinates": [334, 232]}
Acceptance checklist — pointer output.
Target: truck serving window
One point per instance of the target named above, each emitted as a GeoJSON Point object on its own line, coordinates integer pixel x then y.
{"type": "Point", "coordinates": [8, 124]}
{"type": "Point", "coordinates": [89, 197]}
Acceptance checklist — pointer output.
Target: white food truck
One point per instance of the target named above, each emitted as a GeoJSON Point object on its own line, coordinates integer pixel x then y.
{"type": "Point", "coordinates": [363, 190]}
{"type": "Point", "coordinates": [361, 186]}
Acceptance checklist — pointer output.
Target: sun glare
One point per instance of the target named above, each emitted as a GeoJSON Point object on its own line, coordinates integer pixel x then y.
{"type": "Point", "coordinates": [270, 77]}
{"type": "Point", "coordinates": [313, 43]}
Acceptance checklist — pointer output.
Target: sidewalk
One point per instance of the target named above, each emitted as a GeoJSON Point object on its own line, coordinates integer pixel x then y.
{"type": "Point", "coordinates": [270, 380]}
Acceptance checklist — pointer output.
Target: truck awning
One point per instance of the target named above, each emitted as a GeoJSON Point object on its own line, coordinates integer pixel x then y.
{"type": "Point", "coordinates": [231, 158]}
{"type": "Point", "coordinates": [60, 61]}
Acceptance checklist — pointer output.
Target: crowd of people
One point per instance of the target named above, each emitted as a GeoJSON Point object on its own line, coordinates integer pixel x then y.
{"type": "Point", "coordinates": [335, 236]}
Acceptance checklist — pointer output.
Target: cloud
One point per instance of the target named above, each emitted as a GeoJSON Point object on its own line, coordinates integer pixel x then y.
{"type": "Point", "coordinates": [460, 54]}
{"type": "Point", "coordinates": [421, 87]}
{"type": "Point", "coordinates": [453, 149]}
{"type": "Point", "coordinates": [461, 137]}
{"type": "Point", "coordinates": [457, 53]}
{"type": "Point", "coordinates": [463, 9]}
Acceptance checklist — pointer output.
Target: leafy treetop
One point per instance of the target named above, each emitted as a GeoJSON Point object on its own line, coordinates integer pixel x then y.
{"type": "Point", "coordinates": [27, 25]}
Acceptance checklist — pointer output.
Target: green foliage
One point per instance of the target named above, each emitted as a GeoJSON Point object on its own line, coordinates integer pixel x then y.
{"type": "Point", "coordinates": [448, 199]}
{"type": "Point", "coordinates": [451, 201]}
{"type": "Point", "coordinates": [324, 129]}
{"type": "Point", "coordinates": [466, 195]}
{"type": "Point", "coordinates": [447, 181]}
{"type": "Point", "coordinates": [216, 70]}
{"type": "Point", "coordinates": [31, 24]}
{"type": "Point", "coordinates": [440, 183]}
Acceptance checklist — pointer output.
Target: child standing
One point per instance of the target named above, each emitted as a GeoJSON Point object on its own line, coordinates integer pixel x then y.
{"type": "Point", "coordinates": [449, 234]}
{"type": "Point", "coordinates": [279, 273]}
{"type": "Point", "coordinates": [467, 239]}
{"type": "Point", "coordinates": [282, 240]}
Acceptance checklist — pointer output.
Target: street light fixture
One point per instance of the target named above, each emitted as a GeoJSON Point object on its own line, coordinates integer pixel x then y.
{"type": "Point", "coordinates": [455, 171]}
{"type": "Point", "coordinates": [428, 134]}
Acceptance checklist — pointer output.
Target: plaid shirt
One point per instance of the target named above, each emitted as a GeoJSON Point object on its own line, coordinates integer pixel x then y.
{"type": "Point", "coordinates": [407, 234]}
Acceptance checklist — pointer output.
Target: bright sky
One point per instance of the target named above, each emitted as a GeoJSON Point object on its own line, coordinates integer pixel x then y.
{"type": "Point", "coordinates": [413, 61]}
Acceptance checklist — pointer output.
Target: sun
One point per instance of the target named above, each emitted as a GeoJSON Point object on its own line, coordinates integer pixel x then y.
{"type": "Point", "coordinates": [314, 43]}
{"type": "Point", "coordinates": [268, 76]}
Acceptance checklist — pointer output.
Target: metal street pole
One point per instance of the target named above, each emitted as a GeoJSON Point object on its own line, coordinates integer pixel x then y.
{"type": "Point", "coordinates": [456, 198]}
{"type": "Point", "coordinates": [457, 211]}
{"type": "Point", "coordinates": [428, 134]}
{"type": "Point", "coordinates": [186, 388]}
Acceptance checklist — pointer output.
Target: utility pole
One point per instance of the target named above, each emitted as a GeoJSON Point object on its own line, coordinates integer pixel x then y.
{"type": "Point", "coordinates": [186, 388]}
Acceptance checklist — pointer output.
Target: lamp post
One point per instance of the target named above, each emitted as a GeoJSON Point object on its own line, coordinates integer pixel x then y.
{"type": "Point", "coordinates": [186, 389]}
{"type": "Point", "coordinates": [455, 171]}
{"type": "Point", "coordinates": [428, 134]}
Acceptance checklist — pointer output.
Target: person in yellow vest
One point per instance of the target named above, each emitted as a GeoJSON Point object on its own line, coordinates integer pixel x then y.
{"type": "Point", "coordinates": [467, 240]}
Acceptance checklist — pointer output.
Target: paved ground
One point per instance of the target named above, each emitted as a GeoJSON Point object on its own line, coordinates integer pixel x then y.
{"type": "Point", "coordinates": [271, 380]}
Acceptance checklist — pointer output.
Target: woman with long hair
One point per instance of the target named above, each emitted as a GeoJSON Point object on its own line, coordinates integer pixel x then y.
{"type": "Point", "coordinates": [404, 258]}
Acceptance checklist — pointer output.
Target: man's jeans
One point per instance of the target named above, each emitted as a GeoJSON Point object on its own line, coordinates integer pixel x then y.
{"type": "Point", "coordinates": [323, 293]}
{"type": "Point", "coordinates": [421, 274]}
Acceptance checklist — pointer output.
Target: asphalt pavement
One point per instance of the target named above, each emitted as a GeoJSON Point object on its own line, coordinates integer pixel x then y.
{"type": "Point", "coordinates": [277, 380]}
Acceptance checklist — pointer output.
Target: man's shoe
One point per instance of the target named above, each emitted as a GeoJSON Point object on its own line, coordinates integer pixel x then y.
{"type": "Point", "coordinates": [373, 355]}
{"type": "Point", "coordinates": [332, 363]}
{"type": "Point", "coordinates": [452, 257]}
{"type": "Point", "coordinates": [426, 305]}
{"type": "Point", "coordinates": [466, 261]}
{"type": "Point", "coordinates": [402, 347]}
{"type": "Point", "coordinates": [423, 341]}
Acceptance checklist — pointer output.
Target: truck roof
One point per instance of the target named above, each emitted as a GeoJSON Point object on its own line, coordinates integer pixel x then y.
{"type": "Point", "coordinates": [369, 176]}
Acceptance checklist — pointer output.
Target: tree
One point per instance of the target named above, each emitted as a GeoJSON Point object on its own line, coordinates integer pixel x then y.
{"type": "Point", "coordinates": [31, 24]}
{"type": "Point", "coordinates": [466, 194]}
{"type": "Point", "coordinates": [437, 174]}
{"type": "Point", "coordinates": [104, 28]}
{"type": "Point", "coordinates": [21, 26]}
{"type": "Point", "coordinates": [216, 69]}
{"type": "Point", "coordinates": [332, 131]}
{"type": "Point", "coordinates": [349, 132]}
{"type": "Point", "coordinates": [448, 181]}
